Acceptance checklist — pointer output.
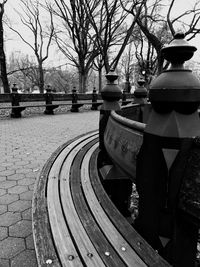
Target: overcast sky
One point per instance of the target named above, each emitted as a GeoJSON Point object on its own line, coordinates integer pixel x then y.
{"type": "Point", "coordinates": [15, 44]}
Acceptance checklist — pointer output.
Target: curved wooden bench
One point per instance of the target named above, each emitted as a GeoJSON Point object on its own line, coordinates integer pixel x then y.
{"type": "Point", "coordinates": [74, 221]}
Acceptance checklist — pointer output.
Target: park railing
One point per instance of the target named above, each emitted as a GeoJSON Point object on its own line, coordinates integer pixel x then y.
{"type": "Point", "coordinates": [18, 102]}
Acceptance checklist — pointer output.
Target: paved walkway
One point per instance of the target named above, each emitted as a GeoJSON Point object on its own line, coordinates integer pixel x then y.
{"type": "Point", "coordinates": [25, 145]}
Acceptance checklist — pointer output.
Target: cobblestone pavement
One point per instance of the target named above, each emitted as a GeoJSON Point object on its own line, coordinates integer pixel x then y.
{"type": "Point", "coordinates": [25, 145]}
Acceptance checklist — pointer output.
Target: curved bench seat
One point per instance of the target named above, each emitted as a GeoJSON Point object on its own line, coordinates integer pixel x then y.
{"type": "Point", "coordinates": [74, 221]}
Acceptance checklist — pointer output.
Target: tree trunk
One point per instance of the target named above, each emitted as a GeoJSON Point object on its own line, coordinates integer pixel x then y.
{"type": "Point", "coordinates": [82, 81]}
{"type": "Point", "coordinates": [160, 61]}
{"type": "Point", "coordinates": [2, 55]}
{"type": "Point", "coordinates": [41, 78]}
{"type": "Point", "coordinates": [100, 78]}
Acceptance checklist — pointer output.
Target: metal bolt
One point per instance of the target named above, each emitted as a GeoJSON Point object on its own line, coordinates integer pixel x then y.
{"type": "Point", "coordinates": [90, 255]}
{"type": "Point", "coordinates": [107, 253]}
{"type": "Point", "coordinates": [49, 261]}
{"type": "Point", "coordinates": [70, 257]}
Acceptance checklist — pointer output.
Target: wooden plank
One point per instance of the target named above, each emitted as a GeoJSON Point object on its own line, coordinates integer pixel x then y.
{"type": "Point", "coordinates": [63, 241]}
{"type": "Point", "coordinates": [32, 97]}
{"type": "Point", "coordinates": [142, 248]}
{"type": "Point", "coordinates": [78, 232]}
{"type": "Point", "coordinates": [121, 245]}
{"type": "Point", "coordinates": [43, 240]}
{"type": "Point", "coordinates": [5, 98]}
{"type": "Point", "coordinates": [104, 248]}
{"type": "Point", "coordinates": [44, 245]}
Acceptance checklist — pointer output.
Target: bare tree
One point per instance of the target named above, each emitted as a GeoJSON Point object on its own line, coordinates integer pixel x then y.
{"type": "Point", "coordinates": [127, 66]}
{"type": "Point", "coordinates": [23, 70]}
{"type": "Point", "coordinates": [72, 37]}
{"type": "Point", "coordinates": [145, 54]}
{"type": "Point", "coordinates": [158, 27]}
{"type": "Point", "coordinates": [112, 29]}
{"type": "Point", "coordinates": [191, 28]}
{"type": "Point", "coordinates": [32, 19]}
{"type": "Point", "coordinates": [2, 53]}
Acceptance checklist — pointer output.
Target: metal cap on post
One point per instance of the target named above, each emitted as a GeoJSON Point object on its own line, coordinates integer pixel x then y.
{"type": "Point", "coordinates": [177, 90]}
{"type": "Point", "coordinates": [48, 89]}
{"type": "Point", "coordinates": [111, 95]}
{"type": "Point", "coordinates": [94, 99]}
{"type": "Point", "coordinates": [140, 92]}
{"type": "Point", "coordinates": [14, 88]}
{"type": "Point", "coordinates": [16, 110]}
{"type": "Point", "coordinates": [162, 162]}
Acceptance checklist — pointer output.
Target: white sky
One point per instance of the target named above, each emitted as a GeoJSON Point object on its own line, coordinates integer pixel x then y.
{"type": "Point", "coordinates": [13, 43]}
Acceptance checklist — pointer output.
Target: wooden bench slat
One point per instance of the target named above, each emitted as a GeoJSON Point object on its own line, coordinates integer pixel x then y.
{"type": "Point", "coordinates": [78, 232]}
{"type": "Point", "coordinates": [97, 237]}
{"type": "Point", "coordinates": [120, 244]}
{"type": "Point", "coordinates": [44, 245]}
{"type": "Point", "coordinates": [64, 244]}
{"type": "Point", "coordinates": [62, 239]}
{"type": "Point", "coordinates": [82, 226]}
{"type": "Point", "coordinates": [146, 252]}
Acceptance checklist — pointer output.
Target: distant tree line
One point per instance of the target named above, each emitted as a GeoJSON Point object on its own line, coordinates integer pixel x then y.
{"type": "Point", "coordinates": [93, 36]}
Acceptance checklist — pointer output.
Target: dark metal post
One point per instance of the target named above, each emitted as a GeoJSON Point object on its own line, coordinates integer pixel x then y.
{"type": "Point", "coordinates": [124, 97]}
{"type": "Point", "coordinates": [140, 92]}
{"type": "Point", "coordinates": [74, 107]}
{"type": "Point", "coordinates": [49, 99]}
{"type": "Point", "coordinates": [94, 99]}
{"type": "Point", "coordinates": [118, 189]}
{"type": "Point", "coordinates": [16, 110]}
{"type": "Point", "coordinates": [111, 95]}
{"type": "Point", "coordinates": [140, 97]}
{"type": "Point", "coordinates": [163, 163]}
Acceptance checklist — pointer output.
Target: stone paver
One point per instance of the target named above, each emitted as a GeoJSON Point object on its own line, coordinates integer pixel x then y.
{"type": "Point", "coordinates": [18, 189]}
{"type": "Point", "coordinates": [8, 198]}
{"type": "Point", "coordinates": [27, 214]}
{"type": "Point", "coordinates": [30, 242]}
{"type": "Point", "coordinates": [7, 184]}
{"type": "Point", "coordinates": [26, 195]}
{"type": "Point", "coordinates": [25, 259]}
{"type": "Point", "coordinates": [9, 218]}
{"type": "Point", "coordinates": [2, 192]}
{"type": "Point", "coordinates": [3, 209]}
{"type": "Point", "coordinates": [3, 233]}
{"type": "Point", "coordinates": [19, 205]}
{"type": "Point", "coordinates": [4, 263]}
{"type": "Point", "coordinates": [15, 177]}
{"type": "Point", "coordinates": [20, 229]}
{"type": "Point", "coordinates": [26, 144]}
{"type": "Point", "coordinates": [11, 246]}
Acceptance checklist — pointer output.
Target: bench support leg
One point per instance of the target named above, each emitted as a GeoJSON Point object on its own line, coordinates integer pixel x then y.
{"type": "Point", "coordinates": [16, 112]}
{"type": "Point", "coordinates": [119, 191]}
{"type": "Point", "coordinates": [50, 109]}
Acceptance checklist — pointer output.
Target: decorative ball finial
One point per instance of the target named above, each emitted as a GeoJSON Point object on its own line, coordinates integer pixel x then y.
{"type": "Point", "coordinates": [179, 50]}
{"type": "Point", "coordinates": [111, 76]}
{"type": "Point", "coordinates": [111, 92]}
{"type": "Point", "coordinates": [176, 84]}
{"type": "Point", "coordinates": [179, 35]}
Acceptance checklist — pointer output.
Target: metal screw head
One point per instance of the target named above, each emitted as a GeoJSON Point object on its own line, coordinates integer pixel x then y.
{"type": "Point", "coordinates": [107, 253]}
{"type": "Point", "coordinates": [70, 257]}
{"type": "Point", "coordinates": [90, 255]}
{"type": "Point", "coordinates": [49, 261]}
